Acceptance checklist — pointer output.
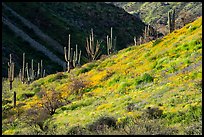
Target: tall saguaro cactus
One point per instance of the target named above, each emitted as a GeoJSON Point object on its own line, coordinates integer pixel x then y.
{"type": "Point", "coordinates": [11, 78]}
{"type": "Point", "coordinates": [27, 73]}
{"type": "Point", "coordinates": [44, 73]}
{"type": "Point", "coordinates": [10, 71]}
{"type": "Point", "coordinates": [38, 71]}
{"type": "Point", "coordinates": [171, 20]}
{"type": "Point", "coordinates": [67, 55]}
{"type": "Point", "coordinates": [79, 59]}
{"type": "Point", "coordinates": [76, 57]}
{"type": "Point", "coordinates": [111, 44]}
{"type": "Point", "coordinates": [140, 40]}
{"type": "Point", "coordinates": [41, 68]}
{"type": "Point", "coordinates": [72, 57]}
{"type": "Point", "coordinates": [23, 69]}
{"type": "Point", "coordinates": [135, 40]}
{"type": "Point", "coordinates": [92, 48]}
{"type": "Point", "coordinates": [32, 71]}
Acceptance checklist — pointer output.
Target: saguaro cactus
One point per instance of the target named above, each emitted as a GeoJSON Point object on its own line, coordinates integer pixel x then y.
{"type": "Point", "coordinates": [38, 71]}
{"type": "Point", "coordinates": [23, 69]}
{"type": "Point", "coordinates": [140, 40]}
{"type": "Point", "coordinates": [135, 41]}
{"type": "Point", "coordinates": [32, 71]}
{"type": "Point", "coordinates": [20, 74]}
{"type": "Point", "coordinates": [72, 57]}
{"type": "Point", "coordinates": [111, 44]}
{"type": "Point", "coordinates": [171, 21]}
{"type": "Point", "coordinates": [44, 73]}
{"type": "Point", "coordinates": [147, 33]}
{"type": "Point", "coordinates": [76, 57]}
{"type": "Point", "coordinates": [11, 77]}
{"type": "Point", "coordinates": [92, 49]}
{"type": "Point", "coordinates": [79, 59]}
{"type": "Point", "coordinates": [27, 73]}
{"type": "Point", "coordinates": [41, 68]}
{"type": "Point", "coordinates": [67, 55]}
{"type": "Point", "coordinates": [10, 71]}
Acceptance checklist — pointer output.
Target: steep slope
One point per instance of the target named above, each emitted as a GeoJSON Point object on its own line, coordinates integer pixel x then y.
{"type": "Point", "coordinates": [43, 36]}
{"type": "Point", "coordinates": [163, 75]}
{"type": "Point", "coordinates": [156, 13]}
{"type": "Point", "coordinates": [50, 23]}
{"type": "Point", "coordinates": [32, 42]}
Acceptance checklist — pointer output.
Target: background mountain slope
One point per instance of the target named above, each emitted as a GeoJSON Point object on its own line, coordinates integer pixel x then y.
{"type": "Point", "coordinates": [57, 20]}
{"type": "Point", "coordinates": [165, 74]}
{"type": "Point", "coordinates": [156, 13]}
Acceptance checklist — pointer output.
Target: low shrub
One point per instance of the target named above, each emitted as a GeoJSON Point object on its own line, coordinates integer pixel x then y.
{"type": "Point", "coordinates": [153, 112]}
{"type": "Point", "coordinates": [145, 78]}
{"type": "Point", "coordinates": [6, 101]}
{"type": "Point", "coordinates": [157, 42]}
{"type": "Point", "coordinates": [77, 130]}
{"type": "Point", "coordinates": [77, 87]}
{"type": "Point", "coordinates": [145, 126]}
{"type": "Point", "coordinates": [26, 95]}
{"type": "Point", "coordinates": [58, 76]}
{"type": "Point", "coordinates": [101, 123]}
{"type": "Point", "coordinates": [87, 68]}
{"type": "Point", "coordinates": [194, 129]}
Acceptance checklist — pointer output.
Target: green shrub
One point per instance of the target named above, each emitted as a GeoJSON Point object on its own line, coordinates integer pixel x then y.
{"type": "Point", "coordinates": [192, 115]}
{"type": "Point", "coordinates": [78, 104]}
{"type": "Point", "coordinates": [122, 87]}
{"type": "Point", "coordinates": [101, 123]}
{"type": "Point", "coordinates": [145, 78]}
{"type": "Point", "coordinates": [6, 101]}
{"type": "Point", "coordinates": [114, 80]}
{"type": "Point", "coordinates": [153, 112]}
{"type": "Point", "coordinates": [144, 126]}
{"type": "Point", "coordinates": [26, 95]}
{"type": "Point", "coordinates": [77, 86]}
{"type": "Point", "coordinates": [58, 76]}
{"type": "Point", "coordinates": [109, 74]}
{"type": "Point", "coordinates": [87, 68]}
{"type": "Point", "coordinates": [77, 130]}
{"type": "Point", "coordinates": [152, 58]}
{"type": "Point", "coordinates": [157, 42]}
{"type": "Point", "coordinates": [193, 28]}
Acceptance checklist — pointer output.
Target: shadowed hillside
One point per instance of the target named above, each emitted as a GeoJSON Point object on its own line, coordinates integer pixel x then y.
{"type": "Point", "coordinates": [49, 24]}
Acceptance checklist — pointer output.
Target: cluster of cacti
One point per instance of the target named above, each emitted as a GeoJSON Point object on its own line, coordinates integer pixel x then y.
{"type": "Point", "coordinates": [30, 73]}
{"type": "Point", "coordinates": [11, 78]}
{"type": "Point", "coordinates": [171, 20]}
{"type": "Point", "coordinates": [138, 41]}
{"type": "Point", "coordinates": [111, 44]}
{"type": "Point", "coordinates": [72, 58]}
{"type": "Point", "coordinates": [149, 34]}
{"type": "Point", "coordinates": [26, 72]}
{"type": "Point", "coordinates": [92, 48]}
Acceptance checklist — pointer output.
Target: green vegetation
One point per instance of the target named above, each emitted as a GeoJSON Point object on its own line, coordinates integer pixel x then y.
{"type": "Point", "coordinates": [149, 89]}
